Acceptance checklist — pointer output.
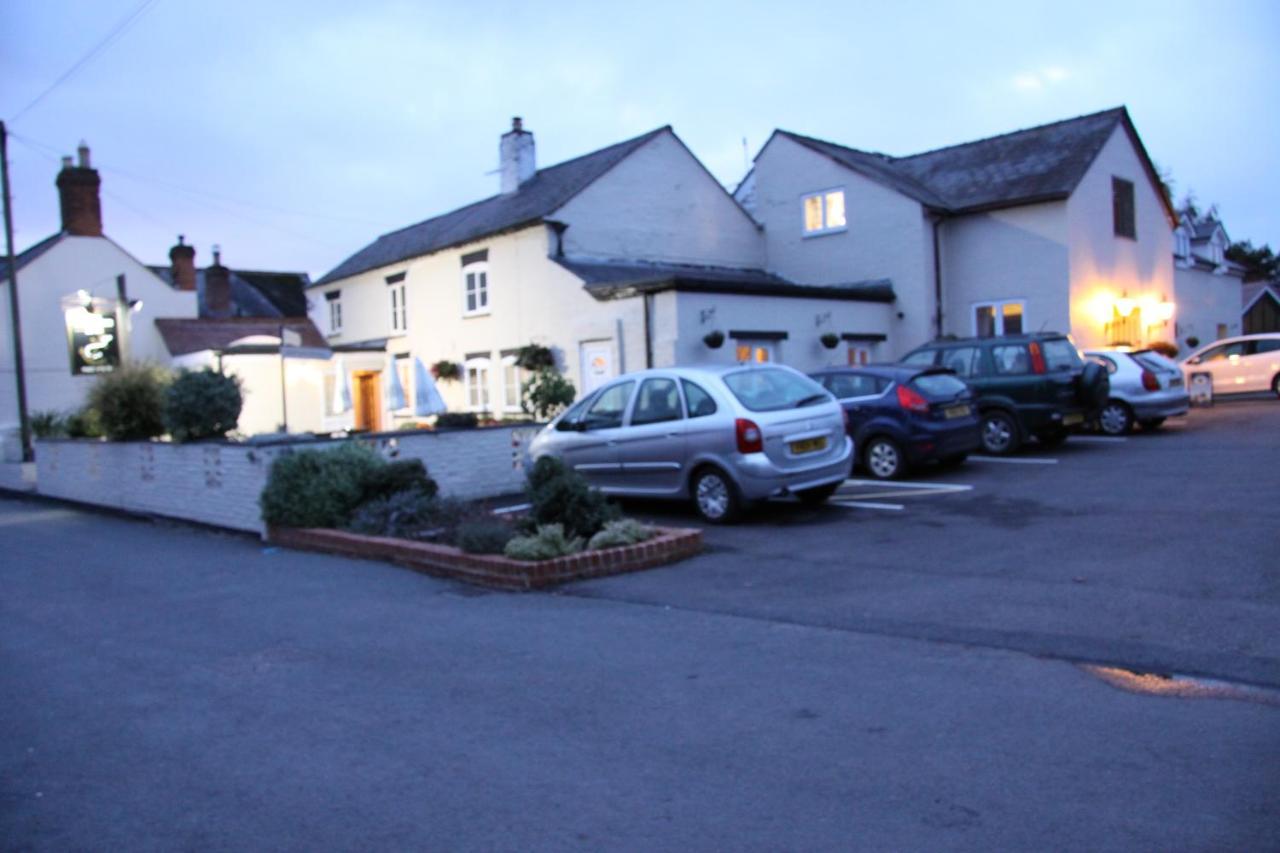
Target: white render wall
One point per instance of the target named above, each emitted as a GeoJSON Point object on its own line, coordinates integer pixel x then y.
{"type": "Point", "coordinates": [1205, 299]}
{"type": "Point", "coordinates": [219, 483]}
{"type": "Point", "coordinates": [260, 388]}
{"type": "Point", "coordinates": [1104, 266]}
{"type": "Point", "coordinates": [532, 299]}
{"type": "Point", "coordinates": [77, 263]}
{"type": "Point", "coordinates": [660, 204]}
{"type": "Point", "coordinates": [1012, 254]}
{"type": "Point", "coordinates": [888, 235]}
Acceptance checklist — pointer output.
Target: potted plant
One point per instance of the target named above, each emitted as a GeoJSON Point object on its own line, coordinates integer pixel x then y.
{"type": "Point", "coordinates": [830, 340]}
{"type": "Point", "coordinates": [714, 340]}
{"type": "Point", "coordinates": [447, 371]}
{"type": "Point", "coordinates": [535, 357]}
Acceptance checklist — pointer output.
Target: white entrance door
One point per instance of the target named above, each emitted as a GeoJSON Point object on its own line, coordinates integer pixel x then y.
{"type": "Point", "coordinates": [597, 364]}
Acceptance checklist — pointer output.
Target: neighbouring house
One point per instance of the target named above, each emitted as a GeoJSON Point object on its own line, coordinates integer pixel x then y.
{"type": "Point", "coordinates": [1063, 227]}
{"type": "Point", "coordinates": [1261, 307]}
{"type": "Point", "coordinates": [87, 305]}
{"type": "Point", "coordinates": [627, 257]}
{"type": "Point", "coordinates": [1207, 285]}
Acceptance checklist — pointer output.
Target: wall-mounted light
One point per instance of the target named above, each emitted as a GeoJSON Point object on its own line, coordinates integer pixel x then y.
{"type": "Point", "coordinates": [1125, 306]}
{"type": "Point", "coordinates": [1163, 311]}
{"type": "Point", "coordinates": [819, 319]}
{"type": "Point", "coordinates": [705, 315]}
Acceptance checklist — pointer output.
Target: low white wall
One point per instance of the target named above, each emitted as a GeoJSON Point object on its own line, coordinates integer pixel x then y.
{"type": "Point", "coordinates": [219, 484]}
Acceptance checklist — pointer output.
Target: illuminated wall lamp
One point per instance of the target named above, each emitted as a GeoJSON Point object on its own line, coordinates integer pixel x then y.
{"type": "Point", "coordinates": [1125, 305]}
{"type": "Point", "coordinates": [1163, 311]}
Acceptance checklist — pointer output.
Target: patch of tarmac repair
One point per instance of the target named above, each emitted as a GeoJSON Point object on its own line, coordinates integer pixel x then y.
{"type": "Point", "coordinates": [1180, 686]}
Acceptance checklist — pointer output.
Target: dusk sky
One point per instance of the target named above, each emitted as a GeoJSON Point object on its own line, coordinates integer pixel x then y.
{"type": "Point", "coordinates": [293, 133]}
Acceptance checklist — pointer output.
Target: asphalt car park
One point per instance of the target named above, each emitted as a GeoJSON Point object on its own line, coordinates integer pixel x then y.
{"type": "Point", "coordinates": [1154, 551]}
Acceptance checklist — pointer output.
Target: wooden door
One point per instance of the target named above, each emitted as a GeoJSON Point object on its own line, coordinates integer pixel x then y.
{"type": "Point", "coordinates": [368, 401]}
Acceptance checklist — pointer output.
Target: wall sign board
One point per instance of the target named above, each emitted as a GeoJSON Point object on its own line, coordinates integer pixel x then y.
{"type": "Point", "coordinates": [93, 334]}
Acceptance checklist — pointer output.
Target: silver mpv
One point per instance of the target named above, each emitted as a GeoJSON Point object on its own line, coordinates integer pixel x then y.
{"type": "Point", "coordinates": [722, 436]}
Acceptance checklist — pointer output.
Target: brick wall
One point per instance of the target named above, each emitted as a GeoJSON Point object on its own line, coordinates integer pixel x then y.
{"type": "Point", "coordinates": [219, 483]}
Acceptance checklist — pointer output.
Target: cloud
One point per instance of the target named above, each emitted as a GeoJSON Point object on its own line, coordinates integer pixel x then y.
{"type": "Point", "coordinates": [1039, 80]}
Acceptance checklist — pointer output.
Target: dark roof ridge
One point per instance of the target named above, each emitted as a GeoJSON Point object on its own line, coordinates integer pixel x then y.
{"type": "Point", "coordinates": [888, 158]}
{"type": "Point", "coordinates": [632, 141]}
{"type": "Point", "coordinates": [1119, 112]}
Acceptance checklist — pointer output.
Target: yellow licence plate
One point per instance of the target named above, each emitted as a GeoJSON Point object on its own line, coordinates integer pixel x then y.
{"type": "Point", "coordinates": [956, 412]}
{"type": "Point", "coordinates": [809, 445]}
{"type": "Point", "coordinates": [1072, 420]}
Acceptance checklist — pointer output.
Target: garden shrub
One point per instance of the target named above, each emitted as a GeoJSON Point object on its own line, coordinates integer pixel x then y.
{"type": "Point", "coordinates": [460, 420]}
{"type": "Point", "coordinates": [130, 402]}
{"type": "Point", "coordinates": [400, 475]}
{"type": "Point", "coordinates": [317, 488]}
{"type": "Point", "coordinates": [84, 423]}
{"type": "Point", "coordinates": [546, 394]}
{"type": "Point", "coordinates": [48, 424]}
{"type": "Point", "coordinates": [483, 537]}
{"type": "Point", "coordinates": [408, 515]}
{"type": "Point", "coordinates": [535, 357]}
{"type": "Point", "coordinates": [625, 531]}
{"type": "Point", "coordinates": [559, 495]}
{"type": "Point", "coordinates": [548, 542]}
{"type": "Point", "coordinates": [202, 404]}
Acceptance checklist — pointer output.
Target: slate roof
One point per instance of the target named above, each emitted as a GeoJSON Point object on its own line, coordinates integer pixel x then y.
{"type": "Point", "coordinates": [611, 280]}
{"type": "Point", "coordinates": [255, 293]}
{"type": "Point", "coordinates": [544, 193]}
{"type": "Point", "coordinates": [23, 258]}
{"type": "Point", "coordinates": [187, 335]}
{"type": "Point", "coordinates": [1042, 163]}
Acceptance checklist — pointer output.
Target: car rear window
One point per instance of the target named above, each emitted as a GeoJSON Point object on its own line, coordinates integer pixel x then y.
{"type": "Point", "coordinates": [1060, 354]}
{"type": "Point", "coordinates": [845, 385]}
{"type": "Point", "coordinates": [938, 385]}
{"type": "Point", "coordinates": [770, 389]}
{"type": "Point", "coordinates": [1156, 361]}
{"type": "Point", "coordinates": [924, 356]}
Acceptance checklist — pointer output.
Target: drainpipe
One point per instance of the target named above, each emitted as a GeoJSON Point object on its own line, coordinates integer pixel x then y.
{"type": "Point", "coordinates": [937, 280]}
{"type": "Point", "coordinates": [648, 330]}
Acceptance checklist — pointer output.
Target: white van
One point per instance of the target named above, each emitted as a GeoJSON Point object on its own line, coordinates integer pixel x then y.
{"type": "Point", "coordinates": [1237, 365]}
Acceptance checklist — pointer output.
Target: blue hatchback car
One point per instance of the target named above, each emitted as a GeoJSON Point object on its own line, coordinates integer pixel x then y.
{"type": "Point", "coordinates": [903, 415]}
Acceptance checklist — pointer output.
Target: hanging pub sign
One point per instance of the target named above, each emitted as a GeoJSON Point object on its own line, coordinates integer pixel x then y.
{"type": "Point", "coordinates": [93, 334]}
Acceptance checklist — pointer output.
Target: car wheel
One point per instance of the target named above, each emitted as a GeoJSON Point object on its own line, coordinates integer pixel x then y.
{"type": "Point", "coordinates": [815, 496]}
{"type": "Point", "coordinates": [1049, 440]}
{"type": "Point", "coordinates": [883, 459]}
{"type": "Point", "coordinates": [1115, 418]}
{"type": "Point", "coordinates": [1151, 424]}
{"type": "Point", "coordinates": [999, 433]}
{"type": "Point", "coordinates": [715, 496]}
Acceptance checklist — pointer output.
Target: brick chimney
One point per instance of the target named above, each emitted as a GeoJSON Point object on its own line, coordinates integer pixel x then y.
{"type": "Point", "coordinates": [182, 262]}
{"type": "Point", "coordinates": [516, 162]}
{"type": "Point", "coordinates": [78, 191]}
{"type": "Point", "coordinates": [217, 287]}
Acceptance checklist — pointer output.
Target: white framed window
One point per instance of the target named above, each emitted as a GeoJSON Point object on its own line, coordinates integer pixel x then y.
{"type": "Point", "coordinates": [475, 377]}
{"type": "Point", "coordinates": [823, 212]}
{"type": "Point", "coordinates": [400, 315]}
{"type": "Point", "coordinates": [475, 289]}
{"type": "Point", "coordinates": [755, 351]}
{"type": "Point", "coordinates": [334, 298]}
{"type": "Point", "coordinates": [405, 372]}
{"type": "Point", "coordinates": [512, 377]}
{"type": "Point", "coordinates": [991, 319]}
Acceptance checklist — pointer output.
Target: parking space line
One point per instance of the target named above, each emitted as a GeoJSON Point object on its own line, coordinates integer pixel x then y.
{"type": "Point", "coordinates": [864, 504]}
{"type": "Point", "coordinates": [894, 484]}
{"type": "Point", "coordinates": [1021, 460]}
{"type": "Point", "coordinates": [1099, 439]}
{"type": "Point", "coordinates": [904, 493]}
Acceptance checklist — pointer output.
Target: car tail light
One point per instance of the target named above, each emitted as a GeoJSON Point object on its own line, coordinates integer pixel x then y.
{"type": "Point", "coordinates": [1037, 357]}
{"type": "Point", "coordinates": [749, 438]}
{"type": "Point", "coordinates": [1149, 381]}
{"type": "Point", "coordinates": [911, 400]}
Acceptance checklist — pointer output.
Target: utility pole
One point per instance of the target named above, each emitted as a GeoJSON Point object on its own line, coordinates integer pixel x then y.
{"type": "Point", "coordinates": [284, 391]}
{"type": "Point", "coordinates": [19, 370]}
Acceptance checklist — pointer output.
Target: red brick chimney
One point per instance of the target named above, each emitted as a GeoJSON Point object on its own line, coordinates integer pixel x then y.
{"type": "Point", "coordinates": [182, 262]}
{"type": "Point", "coordinates": [78, 191]}
{"type": "Point", "coordinates": [217, 287]}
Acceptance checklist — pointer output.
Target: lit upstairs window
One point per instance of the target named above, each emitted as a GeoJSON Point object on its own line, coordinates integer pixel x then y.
{"type": "Point", "coordinates": [824, 212]}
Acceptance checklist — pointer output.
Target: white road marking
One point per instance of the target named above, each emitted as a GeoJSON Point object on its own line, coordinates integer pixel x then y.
{"type": "Point", "coordinates": [503, 510]}
{"type": "Point", "coordinates": [906, 493]}
{"type": "Point", "coordinates": [1021, 460]}
{"type": "Point", "coordinates": [864, 504]}
{"type": "Point", "coordinates": [1099, 439]}
{"type": "Point", "coordinates": [894, 484]}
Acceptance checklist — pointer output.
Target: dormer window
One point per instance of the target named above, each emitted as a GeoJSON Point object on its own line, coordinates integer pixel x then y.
{"type": "Point", "coordinates": [823, 212]}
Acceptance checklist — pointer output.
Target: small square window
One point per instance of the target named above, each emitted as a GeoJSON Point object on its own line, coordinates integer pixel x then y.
{"type": "Point", "coordinates": [824, 212]}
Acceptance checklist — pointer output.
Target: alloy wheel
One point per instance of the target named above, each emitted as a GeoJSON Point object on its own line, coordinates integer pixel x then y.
{"type": "Point", "coordinates": [997, 434]}
{"type": "Point", "coordinates": [712, 496]}
{"type": "Point", "coordinates": [1115, 418]}
{"type": "Point", "coordinates": [883, 459]}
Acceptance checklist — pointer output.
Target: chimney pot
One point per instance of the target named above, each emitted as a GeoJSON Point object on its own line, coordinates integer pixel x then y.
{"type": "Point", "coordinates": [78, 188]}
{"type": "Point", "coordinates": [516, 161]}
{"type": "Point", "coordinates": [182, 261]}
{"type": "Point", "coordinates": [66, 162]}
{"type": "Point", "coordinates": [217, 288]}
{"type": "Point", "coordinates": [516, 124]}
{"type": "Point", "coordinates": [83, 151]}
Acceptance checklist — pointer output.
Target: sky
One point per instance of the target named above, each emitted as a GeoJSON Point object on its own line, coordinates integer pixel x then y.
{"type": "Point", "coordinates": [294, 133]}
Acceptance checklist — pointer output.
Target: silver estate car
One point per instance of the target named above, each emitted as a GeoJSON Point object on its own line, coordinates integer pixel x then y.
{"type": "Point", "coordinates": [721, 436]}
{"type": "Point", "coordinates": [1146, 388]}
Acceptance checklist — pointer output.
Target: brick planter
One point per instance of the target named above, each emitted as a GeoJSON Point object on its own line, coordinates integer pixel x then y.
{"type": "Point", "coordinates": [671, 544]}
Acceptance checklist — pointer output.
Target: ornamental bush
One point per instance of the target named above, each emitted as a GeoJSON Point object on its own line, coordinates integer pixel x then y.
{"type": "Point", "coordinates": [457, 420]}
{"type": "Point", "coordinates": [318, 488]}
{"type": "Point", "coordinates": [48, 424]}
{"type": "Point", "coordinates": [547, 542]}
{"type": "Point", "coordinates": [559, 495]}
{"type": "Point", "coordinates": [614, 534]}
{"type": "Point", "coordinates": [483, 537]}
{"type": "Point", "coordinates": [83, 423]}
{"type": "Point", "coordinates": [546, 394]}
{"type": "Point", "coordinates": [130, 401]}
{"type": "Point", "coordinates": [401, 475]}
{"type": "Point", "coordinates": [202, 404]}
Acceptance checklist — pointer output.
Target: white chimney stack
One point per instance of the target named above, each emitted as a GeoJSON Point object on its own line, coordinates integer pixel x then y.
{"type": "Point", "coordinates": [516, 162]}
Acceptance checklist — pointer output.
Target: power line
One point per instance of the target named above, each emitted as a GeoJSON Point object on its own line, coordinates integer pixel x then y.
{"type": "Point", "coordinates": [110, 38]}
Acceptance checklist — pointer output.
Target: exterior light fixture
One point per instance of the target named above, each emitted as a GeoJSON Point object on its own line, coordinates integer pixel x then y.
{"type": "Point", "coordinates": [1125, 306]}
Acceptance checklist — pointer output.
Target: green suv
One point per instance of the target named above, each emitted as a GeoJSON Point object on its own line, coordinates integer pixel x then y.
{"type": "Point", "coordinates": [1033, 385]}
